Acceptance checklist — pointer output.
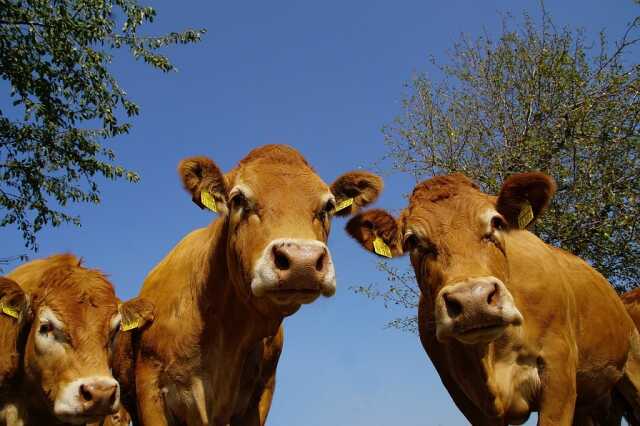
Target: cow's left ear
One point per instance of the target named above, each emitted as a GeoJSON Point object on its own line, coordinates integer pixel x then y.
{"type": "Point", "coordinates": [136, 314]}
{"type": "Point", "coordinates": [204, 180]}
{"type": "Point", "coordinates": [377, 231]}
{"type": "Point", "coordinates": [355, 190]}
{"type": "Point", "coordinates": [14, 314]}
{"type": "Point", "coordinates": [524, 196]}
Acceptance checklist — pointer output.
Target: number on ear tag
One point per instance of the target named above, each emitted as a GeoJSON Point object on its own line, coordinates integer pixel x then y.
{"type": "Point", "coordinates": [381, 248]}
{"type": "Point", "coordinates": [10, 311]}
{"type": "Point", "coordinates": [130, 325]}
{"type": "Point", "coordinates": [526, 215]}
{"type": "Point", "coordinates": [207, 200]}
{"type": "Point", "coordinates": [344, 204]}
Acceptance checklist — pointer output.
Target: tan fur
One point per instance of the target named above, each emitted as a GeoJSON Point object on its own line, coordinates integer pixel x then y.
{"type": "Point", "coordinates": [631, 300]}
{"type": "Point", "coordinates": [11, 295]}
{"type": "Point", "coordinates": [363, 187]}
{"type": "Point", "coordinates": [80, 297]}
{"type": "Point", "coordinates": [535, 187]}
{"type": "Point", "coordinates": [209, 328]}
{"type": "Point", "coordinates": [200, 174]}
{"type": "Point", "coordinates": [575, 344]}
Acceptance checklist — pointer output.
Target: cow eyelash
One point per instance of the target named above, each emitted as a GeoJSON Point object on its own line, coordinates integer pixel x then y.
{"type": "Point", "coordinates": [412, 242]}
{"type": "Point", "coordinates": [239, 201]}
{"type": "Point", "coordinates": [498, 223]}
{"type": "Point", "coordinates": [46, 328]}
{"type": "Point", "coordinates": [327, 210]}
{"type": "Point", "coordinates": [49, 329]}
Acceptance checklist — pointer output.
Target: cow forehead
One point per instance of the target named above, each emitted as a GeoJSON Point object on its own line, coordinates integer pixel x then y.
{"type": "Point", "coordinates": [79, 310]}
{"type": "Point", "coordinates": [280, 178]}
{"type": "Point", "coordinates": [77, 295]}
{"type": "Point", "coordinates": [281, 181]}
{"type": "Point", "coordinates": [84, 286]}
{"type": "Point", "coordinates": [446, 209]}
{"type": "Point", "coordinates": [441, 188]}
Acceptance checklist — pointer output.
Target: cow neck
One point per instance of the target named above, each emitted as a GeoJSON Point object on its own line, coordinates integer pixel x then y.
{"type": "Point", "coordinates": [248, 325]}
{"type": "Point", "coordinates": [477, 374]}
{"type": "Point", "coordinates": [34, 409]}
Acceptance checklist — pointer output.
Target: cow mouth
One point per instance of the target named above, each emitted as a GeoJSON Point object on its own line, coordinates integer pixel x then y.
{"type": "Point", "coordinates": [475, 333]}
{"type": "Point", "coordinates": [474, 328]}
{"type": "Point", "coordinates": [295, 290]}
{"type": "Point", "coordinates": [287, 296]}
{"type": "Point", "coordinates": [79, 419]}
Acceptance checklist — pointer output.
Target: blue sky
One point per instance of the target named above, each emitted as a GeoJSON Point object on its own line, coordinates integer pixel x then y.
{"type": "Point", "coordinates": [323, 77]}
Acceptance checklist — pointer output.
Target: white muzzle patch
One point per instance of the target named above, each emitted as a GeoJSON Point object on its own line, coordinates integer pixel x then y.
{"type": "Point", "coordinates": [79, 401]}
{"type": "Point", "coordinates": [297, 267]}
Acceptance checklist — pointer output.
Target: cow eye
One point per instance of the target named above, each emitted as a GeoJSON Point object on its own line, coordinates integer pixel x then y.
{"type": "Point", "coordinates": [330, 206]}
{"type": "Point", "coordinates": [239, 201]}
{"type": "Point", "coordinates": [411, 242]}
{"type": "Point", "coordinates": [327, 210]}
{"type": "Point", "coordinates": [498, 223]}
{"type": "Point", "coordinates": [45, 328]}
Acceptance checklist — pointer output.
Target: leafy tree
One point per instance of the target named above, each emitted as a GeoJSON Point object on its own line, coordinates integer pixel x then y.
{"type": "Point", "coordinates": [54, 60]}
{"type": "Point", "coordinates": [536, 98]}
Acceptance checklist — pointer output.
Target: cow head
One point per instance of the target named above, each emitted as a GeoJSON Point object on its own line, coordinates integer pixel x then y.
{"type": "Point", "coordinates": [63, 329]}
{"type": "Point", "coordinates": [457, 238]}
{"type": "Point", "coordinates": [277, 214]}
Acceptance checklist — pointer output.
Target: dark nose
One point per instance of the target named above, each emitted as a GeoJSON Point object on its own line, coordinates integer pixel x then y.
{"type": "Point", "coordinates": [302, 266]}
{"type": "Point", "coordinates": [473, 300]}
{"type": "Point", "coordinates": [99, 398]}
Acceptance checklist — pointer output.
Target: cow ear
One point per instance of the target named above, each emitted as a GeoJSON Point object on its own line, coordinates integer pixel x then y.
{"type": "Point", "coordinates": [136, 314]}
{"type": "Point", "coordinates": [355, 190]}
{"type": "Point", "coordinates": [204, 180]}
{"type": "Point", "coordinates": [377, 231]}
{"type": "Point", "coordinates": [524, 196]}
{"type": "Point", "coordinates": [14, 314]}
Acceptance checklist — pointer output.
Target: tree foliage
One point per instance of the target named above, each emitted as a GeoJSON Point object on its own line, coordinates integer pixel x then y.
{"type": "Point", "coordinates": [54, 61]}
{"type": "Point", "coordinates": [536, 98]}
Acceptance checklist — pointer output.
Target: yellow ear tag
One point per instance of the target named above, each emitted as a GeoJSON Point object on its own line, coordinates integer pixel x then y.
{"type": "Point", "coordinates": [207, 200]}
{"type": "Point", "coordinates": [526, 215]}
{"type": "Point", "coordinates": [344, 204]}
{"type": "Point", "coordinates": [130, 325]}
{"type": "Point", "coordinates": [10, 311]}
{"type": "Point", "coordinates": [381, 248]}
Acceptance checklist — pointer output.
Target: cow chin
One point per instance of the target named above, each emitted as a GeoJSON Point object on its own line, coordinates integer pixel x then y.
{"type": "Point", "coordinates": [87, 400]}
{"type": "Point", "coordinates": [293, 272]}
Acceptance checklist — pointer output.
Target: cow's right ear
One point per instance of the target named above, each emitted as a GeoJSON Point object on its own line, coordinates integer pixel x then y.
{"type": "Point", "coordinates": [136, 314]}
{"type": "Point", "coordinates": [377, 231]}
{"type": "Point", "coordinates": [204, 180]}
{"type": "Point", "coordinates": [524, 196]}
{"type": "Point", "coordinates": [14, 314]}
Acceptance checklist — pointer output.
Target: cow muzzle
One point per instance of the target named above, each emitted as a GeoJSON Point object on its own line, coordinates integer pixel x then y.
{"type": "Point", "coordinates": [473, 311]}
{"type": "Point", "coordinates": [294, 271]}
{"type": "Point", "coordinates": [88, 399]}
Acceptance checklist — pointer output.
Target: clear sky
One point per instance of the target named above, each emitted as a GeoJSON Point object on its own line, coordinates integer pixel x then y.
{"type": "Point", "coordinates": [323, 76]}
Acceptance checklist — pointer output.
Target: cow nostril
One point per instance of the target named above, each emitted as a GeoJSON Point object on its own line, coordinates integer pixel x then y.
{"type": "Point", "coordinates": [492, 298]}
{"type": "Point", "coordinates": [86, 394]}
{"type": "Point", "coordinates": [320, 263]}
{"type": "Point", "coordinates": [280, 259]}
{"type": "Point", "coordinates": [454, 308]}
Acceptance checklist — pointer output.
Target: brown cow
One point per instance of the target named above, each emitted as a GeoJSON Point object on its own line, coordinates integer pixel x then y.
{"type": "Point", "coordinates": [57, 329]}
{"type": "Point", "coordinates": [631, 300]}
{"type": "Point", "coordinates": [512, 325]}
{"type": "Point", "coordinates": [221, 294]}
